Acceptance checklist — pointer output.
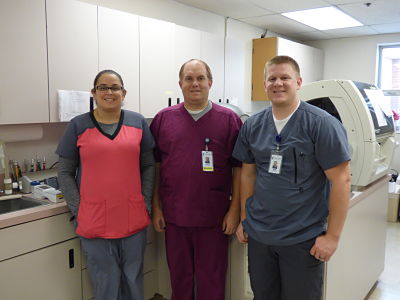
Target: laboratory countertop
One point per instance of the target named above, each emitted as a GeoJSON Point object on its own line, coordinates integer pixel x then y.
{"type": "Point", "coordinates": [32, 214]}
{"type": "Point", "coordinates": [44, 211]}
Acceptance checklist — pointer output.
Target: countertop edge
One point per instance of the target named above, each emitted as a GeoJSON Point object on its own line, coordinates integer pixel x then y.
{"type": "Point", "coordinates": [32, 214]}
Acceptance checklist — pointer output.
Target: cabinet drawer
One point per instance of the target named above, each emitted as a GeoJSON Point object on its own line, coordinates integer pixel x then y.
{"type": "Point", "coordinates": [27, 237]}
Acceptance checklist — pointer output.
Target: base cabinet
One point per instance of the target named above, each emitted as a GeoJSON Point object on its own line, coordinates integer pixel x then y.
{"type": "Point", "coordinates": [44, 274]}
{"type": "Point", "coordinates": [40, 260]}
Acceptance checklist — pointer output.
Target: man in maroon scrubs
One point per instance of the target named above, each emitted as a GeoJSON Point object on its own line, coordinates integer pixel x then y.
{"type": "Point", "coordinates": [196, 197]}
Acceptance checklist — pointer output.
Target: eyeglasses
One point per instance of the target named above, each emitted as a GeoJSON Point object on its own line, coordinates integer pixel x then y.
{"type": "Point", "coordinates": [104, 88]}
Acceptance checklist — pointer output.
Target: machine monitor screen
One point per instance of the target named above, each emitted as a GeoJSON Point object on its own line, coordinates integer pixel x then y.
{"type": "Point", "coordinates": [382, 122]}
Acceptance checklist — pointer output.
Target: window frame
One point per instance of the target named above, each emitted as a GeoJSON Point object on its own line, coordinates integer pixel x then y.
{"type": "Point", "coordinates": [381, 47]}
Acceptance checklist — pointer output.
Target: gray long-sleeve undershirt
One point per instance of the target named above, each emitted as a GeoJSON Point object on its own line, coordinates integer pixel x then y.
{"type": "Point", "coordinates": [69, 186]}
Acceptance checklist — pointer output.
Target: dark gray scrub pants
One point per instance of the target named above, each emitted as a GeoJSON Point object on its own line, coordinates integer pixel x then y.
{"type": "Point", "coordinates": [116, 266]}
{"type": "Point", "coordinates": [285, 272]}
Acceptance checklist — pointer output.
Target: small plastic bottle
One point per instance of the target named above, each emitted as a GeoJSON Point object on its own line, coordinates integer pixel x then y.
{"type": "Point", "coordinates": [8, 188]}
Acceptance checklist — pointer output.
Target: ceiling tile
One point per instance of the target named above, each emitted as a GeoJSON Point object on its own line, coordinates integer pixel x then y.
{"type": "Point", "coordinates": [386, 28]}
{"type": "Point", "coordinates": [228, 8]}
{"type": "Point", "coordinates": [379, 12]}
{"type": "Point", "coordinates": [351, 31]}
{"type": "Point", "coordinates": [336, 2]}
{"type": "Point", "coordinates": [278, 24]}
{"type": "Point", "coordinates": [280, 6]}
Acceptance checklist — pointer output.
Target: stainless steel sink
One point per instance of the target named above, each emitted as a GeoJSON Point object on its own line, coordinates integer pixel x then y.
{"type": "Point", "coordinates": [10, 205]}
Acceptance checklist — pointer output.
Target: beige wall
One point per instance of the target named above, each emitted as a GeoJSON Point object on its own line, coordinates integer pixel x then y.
{"type": "Point", "coordinates": [353, 58]}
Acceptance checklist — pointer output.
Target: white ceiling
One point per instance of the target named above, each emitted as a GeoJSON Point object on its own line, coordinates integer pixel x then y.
{"type": "Point", "coordinates": [381, 16]}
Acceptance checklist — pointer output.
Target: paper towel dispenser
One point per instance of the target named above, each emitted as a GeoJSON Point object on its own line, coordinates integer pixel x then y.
{"type": "Point", "coordinates": [367, 118]}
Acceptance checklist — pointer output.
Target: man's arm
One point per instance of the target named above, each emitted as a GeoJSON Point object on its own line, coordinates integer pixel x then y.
{"type": "Point", "coordinates": [231, 219]}
{"type": "Point", "coordinates": [157, 215]}
{"type": "Point", "coordinates": [340, 179]}
{"type": "Point", "coordinates": [247, 183]}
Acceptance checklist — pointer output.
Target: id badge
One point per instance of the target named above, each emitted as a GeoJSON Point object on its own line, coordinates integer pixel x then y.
{"type": "Point", "coordinates": [275, 163]}
{"type": "Point", "coordinates": [207, 161]}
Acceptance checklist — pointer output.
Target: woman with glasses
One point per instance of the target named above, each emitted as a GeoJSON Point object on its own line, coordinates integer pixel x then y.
{"type": "Point", "coordinates": [106, 173]}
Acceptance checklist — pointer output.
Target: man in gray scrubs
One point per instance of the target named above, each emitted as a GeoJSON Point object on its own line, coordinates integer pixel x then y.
{"type": "Point", "coordinates": [295, 187]}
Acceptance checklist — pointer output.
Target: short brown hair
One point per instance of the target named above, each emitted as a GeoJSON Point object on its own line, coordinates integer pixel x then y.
{"type": "Point", "coordinates": [208, 70]}
{"type": "Point", "coordinates": [282, 59]}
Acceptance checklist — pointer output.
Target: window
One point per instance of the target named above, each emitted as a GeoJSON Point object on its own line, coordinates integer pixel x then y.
{"type": "Point", "coordinates": [389, 77]}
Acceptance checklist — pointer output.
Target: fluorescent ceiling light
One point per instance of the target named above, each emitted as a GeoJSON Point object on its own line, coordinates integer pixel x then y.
{"type": "Point", "coordinates": [323, 18]}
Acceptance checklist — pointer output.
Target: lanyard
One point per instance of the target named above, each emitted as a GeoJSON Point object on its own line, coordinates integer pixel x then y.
{"type": "Point", "coordinates": [278, 140]}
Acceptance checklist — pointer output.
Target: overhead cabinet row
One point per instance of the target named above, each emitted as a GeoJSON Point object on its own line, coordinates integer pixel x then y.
{"type": "Point", "coordinates": [61, 45]}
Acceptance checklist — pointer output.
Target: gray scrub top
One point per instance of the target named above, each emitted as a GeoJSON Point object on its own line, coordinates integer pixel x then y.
{"type": "Point", "coordinates": [291, 207]}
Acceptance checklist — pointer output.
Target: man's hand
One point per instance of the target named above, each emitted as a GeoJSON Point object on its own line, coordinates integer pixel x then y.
{"type": "Point", "coordinates": [324, 247]}
{"type": "Point", "coordinates": [241, 234]}
{"type": "Point", "coordinates": [158, 220]}
{"type": "Point", "coordinates": [230, 222]}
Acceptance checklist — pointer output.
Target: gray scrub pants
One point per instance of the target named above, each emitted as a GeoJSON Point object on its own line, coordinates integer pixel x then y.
{"type": "Point", "coordinates": [285, 272]}
{"type": "Point", "coordinates": [116, 266]}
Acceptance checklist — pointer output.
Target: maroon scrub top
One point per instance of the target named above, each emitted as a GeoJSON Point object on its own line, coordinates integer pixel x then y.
{"type": "Point", "coordinates": [189, 195]}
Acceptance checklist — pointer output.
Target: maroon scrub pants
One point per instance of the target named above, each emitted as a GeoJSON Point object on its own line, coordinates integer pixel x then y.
{"type": "Point", "coordinates": [197, 260]}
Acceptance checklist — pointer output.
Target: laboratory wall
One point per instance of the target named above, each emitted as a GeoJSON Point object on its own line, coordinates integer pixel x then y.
{"type": "Point", "coordinates": [353, 58]}
{"type": "Point", "coordinates": [24, 150]}
{"type": "Point", "coordinates": [356, 59]}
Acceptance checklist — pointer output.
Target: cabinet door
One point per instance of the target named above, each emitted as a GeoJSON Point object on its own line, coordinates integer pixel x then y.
{"type": "Point", "coordinates": [263, 50]}
{"type": "Point", "coordinates": [50, 273]}
{"type": "Point", "coordinates": [23, 61]}
{"type": "Point", "coordinates": [212, 52]}
{"type": "Point", "coordinates": [310, 59]}
{"type": "Point", "coordinates": [187, 46]}
{"type": "Point", "coordinates": [157, 82]}
{"type": "Point", "coordinates": [72, 48]}
{"type": "Point", "coordinates": [235, 72]}
{"type": "Point", "coordinates": [119, 50]}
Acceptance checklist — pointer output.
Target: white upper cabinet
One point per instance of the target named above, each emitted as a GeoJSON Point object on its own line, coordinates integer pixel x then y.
{"type": "Point", "coordinates": [23, 61]}
{"type": "Point", "coordinates": [212, 52]}
{"type": "Point", "coordinates": [236, 79]}
{"type": "Point", "coordinates": [72, 48]}
{"type": "Point", "coordinates": [191, 43]}
{"type": "Point", "coordinates": [119, 50]}
{"type": "Point", "coordinates": [157, 78]}
{"type": "Point", "coordinates": [310, 59]}
{"type": "Point", "coordinates": [187, 46]}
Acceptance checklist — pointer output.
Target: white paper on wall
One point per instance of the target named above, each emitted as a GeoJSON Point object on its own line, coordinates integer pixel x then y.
{"type": "Point", "coordinates": [72, 104]}
{"type": "Point", "coordinates": [381, 105]}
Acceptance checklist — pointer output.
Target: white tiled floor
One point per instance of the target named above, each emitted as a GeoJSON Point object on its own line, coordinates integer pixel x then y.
{"type": "Point", "coordinates": [388, 287]}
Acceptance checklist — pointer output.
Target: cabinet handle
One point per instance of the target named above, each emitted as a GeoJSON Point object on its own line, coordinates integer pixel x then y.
{"type": "Point", "coordinates": [169, 102]}
{"type": "Point", "coordinates": [71, 258]}
{"type": "Point", "coordinates": [177, 101]}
